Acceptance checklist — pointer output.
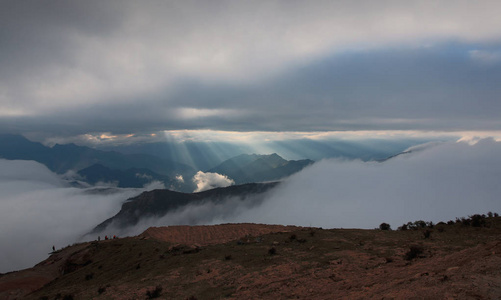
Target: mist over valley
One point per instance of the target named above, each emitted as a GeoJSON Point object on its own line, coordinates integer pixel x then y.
{"type": "Point", "coordinates": [433, 182]}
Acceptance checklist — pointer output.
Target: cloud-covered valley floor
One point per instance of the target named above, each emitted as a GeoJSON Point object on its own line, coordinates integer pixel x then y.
{"type": "Point", "coordinates": [436, 182]}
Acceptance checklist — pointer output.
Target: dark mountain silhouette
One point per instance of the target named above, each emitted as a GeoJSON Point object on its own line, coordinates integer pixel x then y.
{"type": "Point", "coordinates": [199, 155]}
{"type": "Point", "coordinates": [134, 177]}
{"type": "Point", "coordinates": [158, 203]}
{"type": "Point", "coordinates": [18, 147]}
{"type": "Point", "coordinates": [62, 158]}
{"type": "Point", "coordinates": [256, 168]}
{"type": "Point", "coordinates": [127, 169]}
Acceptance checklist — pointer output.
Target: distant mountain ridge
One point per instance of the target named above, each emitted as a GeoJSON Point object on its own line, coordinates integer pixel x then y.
{"type": "Point", "coordinates": [135, 170]}
{"type": "Point", "coordinates": [133, 177]}
{"type": "Point", "coordinates": [62, 158]}
{"type": "Point", "coordinates": [158, 203]}
{"type": "Point", "coordinates": [247, 168]}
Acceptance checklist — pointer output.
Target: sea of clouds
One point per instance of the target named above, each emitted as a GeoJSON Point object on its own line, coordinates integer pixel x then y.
{"type": "Point", "coordinates": [39, 210]}
{"type": "Point", "coordinates": [431, 182]}
{"type": "Point", "coordinates": [434, 182]}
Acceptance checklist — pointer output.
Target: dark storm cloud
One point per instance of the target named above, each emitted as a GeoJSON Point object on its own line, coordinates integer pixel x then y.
{"type": "Point", "coordinates": [77, 67]}
{"type": "Point", "coordinates": [431, 89]}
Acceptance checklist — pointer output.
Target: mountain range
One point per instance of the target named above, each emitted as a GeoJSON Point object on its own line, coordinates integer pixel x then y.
{"type": "Point", "coordinates": [62, 158]}
{"type": "Point", "coordinates": [135, 170]}
{"type": "Point", "coordinates": [247, 168]}
{"type": "Point", "coordinates": [133, 177]}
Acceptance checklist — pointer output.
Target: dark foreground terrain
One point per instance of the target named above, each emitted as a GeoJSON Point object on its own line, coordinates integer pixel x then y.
{"type": "Point", "coordinates": [251, 261]}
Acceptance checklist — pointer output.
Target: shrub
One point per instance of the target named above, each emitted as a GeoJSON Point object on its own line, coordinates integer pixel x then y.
{"type": "Point", "coordinates": [154, 293]}
{"type": "Point", "coordinates": [414, 251]}
{"type": "Point", "coordinates": [101, 290]}
{"type": "Point", "coordinates": [89, 276]}
{"type": "Point", "coordinates": [385, 226]}
{"type": "Point", "coordinates": [272, 251]}
{"type": "Point", "coordinates": [420, 224]}
{"type": "Point", "coordinates": [403, 227]}
{"type": "Point", "coordinates": [227, 257]}
{"type": "Point", "coordinates": [477, 220]}
{"type": "Point", "coordinates": [427, 233]}
{"type": "Point", "coordinates": [292, 237]}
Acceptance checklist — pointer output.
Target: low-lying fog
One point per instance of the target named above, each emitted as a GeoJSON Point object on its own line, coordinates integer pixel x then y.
{"type": "Point", "coordinates": [38, 210]}
{"type": "Point", "coordinates": [435, 182]}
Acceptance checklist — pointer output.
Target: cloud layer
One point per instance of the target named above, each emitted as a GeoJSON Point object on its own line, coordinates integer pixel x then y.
{"type": "Point", "coordinates": [38, 210]}
{"type": "Point", "coordinates": [208, 180]}
{"type": "Point", "coordinates": [439, 183]}
{"type": "Point", "coordinates": [434, 182]}
{"type": "Point", "coordinates": [281, 65]}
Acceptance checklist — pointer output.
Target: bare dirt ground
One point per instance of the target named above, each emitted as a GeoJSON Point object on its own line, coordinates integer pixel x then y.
{"type": "Point", "coordinates": [250, 261]}
{"type": "Point", "coordinates": [15, 285]}
{"type": "Point", "coordinates": [214, 234]}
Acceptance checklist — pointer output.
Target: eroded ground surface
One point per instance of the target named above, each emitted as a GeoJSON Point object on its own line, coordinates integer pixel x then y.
{"type": "Point", "coordinates": [273, 262]}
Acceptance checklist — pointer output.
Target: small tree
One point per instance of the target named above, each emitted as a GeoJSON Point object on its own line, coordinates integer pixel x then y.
{"type": "Point", "coordinates": [385, 226]}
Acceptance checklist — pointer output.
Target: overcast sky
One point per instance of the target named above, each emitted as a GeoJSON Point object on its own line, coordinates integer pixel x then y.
{"type": "Point", "coordinates": [71, 68]}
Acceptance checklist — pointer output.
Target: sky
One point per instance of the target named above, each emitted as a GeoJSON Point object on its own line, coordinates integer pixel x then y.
{"type": "Point", "coordinates": [103, 70]}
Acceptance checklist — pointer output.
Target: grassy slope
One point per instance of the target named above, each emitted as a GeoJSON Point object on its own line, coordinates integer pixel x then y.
{"type": "Point", "coordinates": [309, 263]}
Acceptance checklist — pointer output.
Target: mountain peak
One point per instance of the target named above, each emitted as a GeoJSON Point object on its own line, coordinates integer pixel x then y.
{"type": "Point", "coordinates": [258, 167]}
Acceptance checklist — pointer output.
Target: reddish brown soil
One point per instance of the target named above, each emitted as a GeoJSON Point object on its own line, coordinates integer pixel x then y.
{"type": "Point", "coordinates": [457, 262]}
{"type": "Point", "coordinates": [14, 285]}
{"type": "Point", "coordinates": [469, 274]}
{"type": "Point", "coordinates": [213, 234]}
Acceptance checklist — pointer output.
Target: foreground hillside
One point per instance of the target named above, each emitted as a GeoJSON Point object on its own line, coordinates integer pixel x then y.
{"type": "Point", "coordinates": [249, 261]}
